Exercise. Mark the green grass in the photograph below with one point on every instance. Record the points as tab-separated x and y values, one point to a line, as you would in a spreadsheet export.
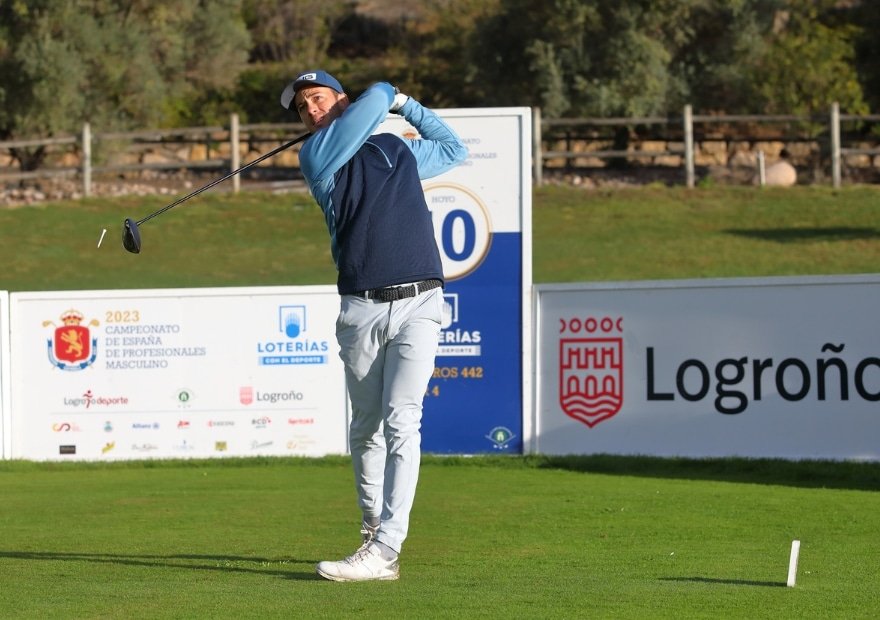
535	537
255	239
669	233
216	240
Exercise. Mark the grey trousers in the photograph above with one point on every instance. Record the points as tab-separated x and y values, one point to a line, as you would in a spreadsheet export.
388	349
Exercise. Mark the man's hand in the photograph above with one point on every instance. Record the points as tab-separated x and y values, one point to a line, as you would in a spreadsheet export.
399	100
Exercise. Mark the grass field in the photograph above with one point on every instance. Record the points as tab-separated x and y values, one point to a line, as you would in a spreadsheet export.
589	537
521	537
255	239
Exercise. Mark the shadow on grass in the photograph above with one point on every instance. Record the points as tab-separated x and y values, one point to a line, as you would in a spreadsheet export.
221	563
728	582
796	235
810	474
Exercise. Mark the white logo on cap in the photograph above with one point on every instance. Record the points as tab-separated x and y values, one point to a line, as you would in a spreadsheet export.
307	76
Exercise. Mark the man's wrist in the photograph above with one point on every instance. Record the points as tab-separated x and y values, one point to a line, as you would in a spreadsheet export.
398	102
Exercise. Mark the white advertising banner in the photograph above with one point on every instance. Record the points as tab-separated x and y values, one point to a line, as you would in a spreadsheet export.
5	405
771	367
176	373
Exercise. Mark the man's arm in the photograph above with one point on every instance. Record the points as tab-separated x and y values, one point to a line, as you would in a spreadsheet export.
440	148
329	148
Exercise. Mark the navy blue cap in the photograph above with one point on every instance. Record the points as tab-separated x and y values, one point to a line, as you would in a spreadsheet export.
309	78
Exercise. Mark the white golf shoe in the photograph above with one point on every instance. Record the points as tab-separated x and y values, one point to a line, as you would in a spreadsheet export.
365	564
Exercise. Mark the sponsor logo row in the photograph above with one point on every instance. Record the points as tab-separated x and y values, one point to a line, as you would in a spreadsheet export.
500	437
247	395
188	447
109	426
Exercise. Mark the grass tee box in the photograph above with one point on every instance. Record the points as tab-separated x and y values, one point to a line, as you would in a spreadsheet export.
540	537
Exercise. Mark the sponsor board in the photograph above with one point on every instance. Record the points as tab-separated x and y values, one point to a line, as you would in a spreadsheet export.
480	392
170	373
769	367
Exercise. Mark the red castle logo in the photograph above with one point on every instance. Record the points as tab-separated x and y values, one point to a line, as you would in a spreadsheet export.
72	348
591	368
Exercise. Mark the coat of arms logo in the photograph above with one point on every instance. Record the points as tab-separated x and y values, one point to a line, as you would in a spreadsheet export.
591	368
72	347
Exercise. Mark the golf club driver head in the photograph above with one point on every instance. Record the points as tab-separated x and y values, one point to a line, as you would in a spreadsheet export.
131	236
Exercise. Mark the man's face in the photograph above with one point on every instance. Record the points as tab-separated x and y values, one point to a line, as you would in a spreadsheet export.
318	106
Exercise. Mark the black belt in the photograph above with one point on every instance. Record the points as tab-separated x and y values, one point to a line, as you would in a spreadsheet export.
393	293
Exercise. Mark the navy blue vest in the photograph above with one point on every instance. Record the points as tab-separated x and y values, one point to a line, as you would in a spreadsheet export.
384	231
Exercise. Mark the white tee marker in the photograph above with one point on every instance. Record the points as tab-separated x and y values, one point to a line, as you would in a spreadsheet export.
793	562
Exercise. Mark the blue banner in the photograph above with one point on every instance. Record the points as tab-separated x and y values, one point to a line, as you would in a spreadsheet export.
474	401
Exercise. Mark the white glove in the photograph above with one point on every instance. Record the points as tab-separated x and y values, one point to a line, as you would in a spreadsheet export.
399	100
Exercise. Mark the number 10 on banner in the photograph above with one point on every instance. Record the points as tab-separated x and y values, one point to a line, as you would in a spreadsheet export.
461	226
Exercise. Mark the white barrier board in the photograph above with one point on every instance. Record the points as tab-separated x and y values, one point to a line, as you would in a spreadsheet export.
176	373
5	405
773	367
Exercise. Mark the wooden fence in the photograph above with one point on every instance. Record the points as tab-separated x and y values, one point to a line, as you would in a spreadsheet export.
678	135
681	144
213	139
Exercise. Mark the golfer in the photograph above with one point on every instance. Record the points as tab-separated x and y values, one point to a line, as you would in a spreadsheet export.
391	287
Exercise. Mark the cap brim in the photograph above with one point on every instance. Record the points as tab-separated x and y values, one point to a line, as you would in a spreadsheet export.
287	96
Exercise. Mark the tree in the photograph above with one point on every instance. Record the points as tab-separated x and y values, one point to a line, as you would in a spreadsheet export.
810	62
649	57
866	15
434	60
285	31
728	41
116	63
586	57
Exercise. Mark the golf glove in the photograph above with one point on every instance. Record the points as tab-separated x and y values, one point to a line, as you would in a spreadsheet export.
399	100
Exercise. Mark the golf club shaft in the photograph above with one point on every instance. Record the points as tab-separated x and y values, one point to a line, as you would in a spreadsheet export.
228	176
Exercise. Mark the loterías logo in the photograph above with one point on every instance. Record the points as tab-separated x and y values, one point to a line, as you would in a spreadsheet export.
72	348
591	368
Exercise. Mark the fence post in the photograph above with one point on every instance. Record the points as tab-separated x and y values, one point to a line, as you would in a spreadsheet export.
87	159
835	145
689	145
234	153
537	152
762	169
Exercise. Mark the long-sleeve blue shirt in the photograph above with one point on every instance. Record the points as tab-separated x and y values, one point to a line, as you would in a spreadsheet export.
369	188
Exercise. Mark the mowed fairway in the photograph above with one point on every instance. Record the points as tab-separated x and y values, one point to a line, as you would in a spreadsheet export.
491	538
519	537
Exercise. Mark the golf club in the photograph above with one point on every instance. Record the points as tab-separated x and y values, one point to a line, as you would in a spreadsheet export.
131	235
